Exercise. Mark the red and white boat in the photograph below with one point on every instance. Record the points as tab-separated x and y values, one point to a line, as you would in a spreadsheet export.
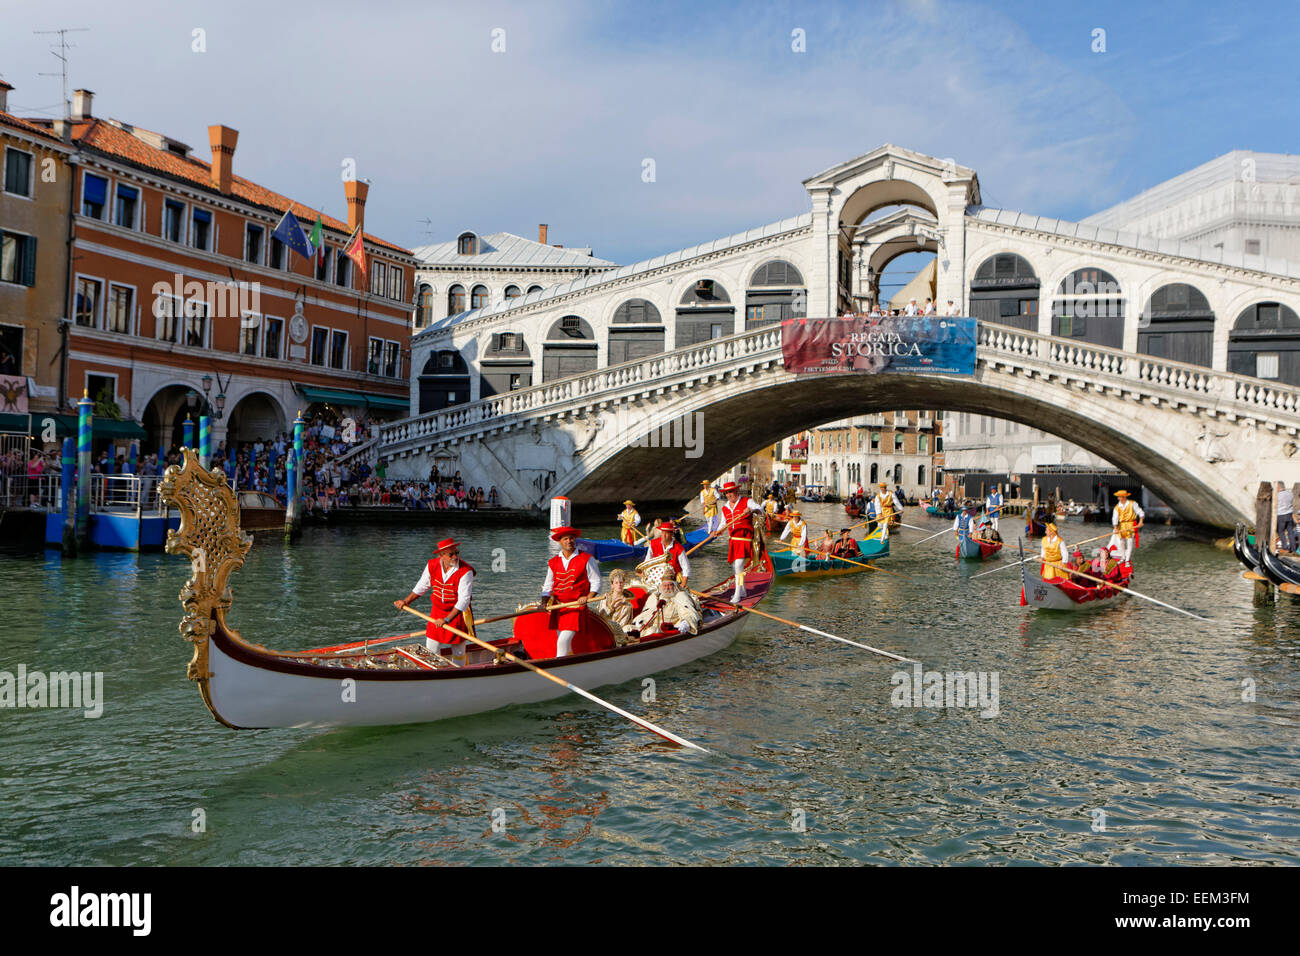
1061	594
395	680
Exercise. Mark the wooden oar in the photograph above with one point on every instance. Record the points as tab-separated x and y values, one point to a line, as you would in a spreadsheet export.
935	535
812	630
1035	557
639	721
646	537
529	609
725	526
1119	587
869	567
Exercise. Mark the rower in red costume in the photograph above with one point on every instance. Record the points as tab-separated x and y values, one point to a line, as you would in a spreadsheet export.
666	541
738	514
449	582
570	576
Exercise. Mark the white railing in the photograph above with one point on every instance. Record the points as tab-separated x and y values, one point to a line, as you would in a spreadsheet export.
36	492
996	343
125	494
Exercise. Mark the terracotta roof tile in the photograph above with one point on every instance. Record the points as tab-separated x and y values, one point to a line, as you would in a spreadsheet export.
121	144
8	119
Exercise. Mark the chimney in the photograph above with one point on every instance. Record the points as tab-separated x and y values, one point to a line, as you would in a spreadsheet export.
4	96
81	100
356	190
223	140
541	233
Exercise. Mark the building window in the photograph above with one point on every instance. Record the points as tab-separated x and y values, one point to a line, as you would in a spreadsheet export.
277	253
466	244
395	283
323	257
534	288
516	382
875	443
18	172
101	386
167	309
121	303
174	221
478	299
754	313
455	299
923	444
374	353
898	442
124	208
512	292
249	333
271	340
17	258
338	349
424	307
253	243
446	360
94	196
319	342
11	350
1252	249
378	278
715	330
1028	306
88	295
511	342
392	359
342	272
201	229
196	323
1267	364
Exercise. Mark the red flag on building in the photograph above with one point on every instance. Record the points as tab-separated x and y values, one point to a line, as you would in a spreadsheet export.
355	250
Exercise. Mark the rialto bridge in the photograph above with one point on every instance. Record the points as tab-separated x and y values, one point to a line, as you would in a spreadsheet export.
1145	351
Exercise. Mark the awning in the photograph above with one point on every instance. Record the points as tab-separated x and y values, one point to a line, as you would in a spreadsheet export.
338	396
65	426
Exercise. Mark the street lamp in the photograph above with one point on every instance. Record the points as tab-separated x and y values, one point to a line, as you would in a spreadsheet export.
207	383
221	404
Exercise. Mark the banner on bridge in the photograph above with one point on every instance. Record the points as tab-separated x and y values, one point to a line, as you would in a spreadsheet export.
899	343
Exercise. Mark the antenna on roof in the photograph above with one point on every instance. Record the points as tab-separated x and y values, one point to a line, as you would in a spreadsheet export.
428	226
62	54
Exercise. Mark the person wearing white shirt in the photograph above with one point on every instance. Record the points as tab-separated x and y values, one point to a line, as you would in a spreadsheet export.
953	309
571	576
452	583
929	307
1127	520
911	308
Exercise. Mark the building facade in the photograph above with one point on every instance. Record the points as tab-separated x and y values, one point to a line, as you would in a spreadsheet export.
35	196
177	285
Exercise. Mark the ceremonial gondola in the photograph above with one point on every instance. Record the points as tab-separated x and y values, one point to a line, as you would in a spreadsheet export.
852	509
973	547
1243	546
393	680
1061	594
937	513
611	549
1279	570
790	564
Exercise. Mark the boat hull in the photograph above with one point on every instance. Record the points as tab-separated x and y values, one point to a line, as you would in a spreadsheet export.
978	550
790	565
611	549
1278	570
1050	596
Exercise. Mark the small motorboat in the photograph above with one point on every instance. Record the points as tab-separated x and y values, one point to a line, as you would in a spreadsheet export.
1061	594
259	511
395	680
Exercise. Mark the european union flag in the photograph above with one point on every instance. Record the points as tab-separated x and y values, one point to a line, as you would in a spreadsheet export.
291	233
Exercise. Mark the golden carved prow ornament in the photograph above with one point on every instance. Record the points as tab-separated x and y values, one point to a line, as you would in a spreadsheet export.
210	536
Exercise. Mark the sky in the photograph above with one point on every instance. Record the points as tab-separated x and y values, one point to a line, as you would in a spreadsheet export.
499	116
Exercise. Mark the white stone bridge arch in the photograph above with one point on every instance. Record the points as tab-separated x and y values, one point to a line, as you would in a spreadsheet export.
1199	438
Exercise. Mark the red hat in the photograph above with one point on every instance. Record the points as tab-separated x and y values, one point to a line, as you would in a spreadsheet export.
558	533
668	526
446	544
729	486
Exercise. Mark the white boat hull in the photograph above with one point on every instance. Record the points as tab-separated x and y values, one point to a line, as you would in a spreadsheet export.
246	695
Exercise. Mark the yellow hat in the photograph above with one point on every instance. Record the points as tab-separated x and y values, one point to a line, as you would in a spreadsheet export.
1051	527
629	502
1121	493
798	513
884	485
706	482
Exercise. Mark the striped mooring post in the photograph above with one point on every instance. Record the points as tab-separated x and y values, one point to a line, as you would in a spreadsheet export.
69	497
85	424
187	433
205	441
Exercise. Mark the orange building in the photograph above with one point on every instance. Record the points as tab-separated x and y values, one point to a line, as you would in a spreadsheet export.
182	300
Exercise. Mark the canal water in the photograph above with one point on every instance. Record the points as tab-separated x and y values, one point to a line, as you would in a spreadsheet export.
1125	735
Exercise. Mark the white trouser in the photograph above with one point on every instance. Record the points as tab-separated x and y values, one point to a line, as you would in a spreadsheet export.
435	647
884	534
738	567
712	524
1125	546
993	520
564	643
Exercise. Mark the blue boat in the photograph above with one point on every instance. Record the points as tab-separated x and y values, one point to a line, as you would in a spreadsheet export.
611	549
789	564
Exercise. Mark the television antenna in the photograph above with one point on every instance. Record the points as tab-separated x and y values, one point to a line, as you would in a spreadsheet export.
62	54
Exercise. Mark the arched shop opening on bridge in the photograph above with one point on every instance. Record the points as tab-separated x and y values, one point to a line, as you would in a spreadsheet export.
704	312
570	349
776	292
1089	305
506	365
636	332
1265	342
1005	290
444	381
1178	324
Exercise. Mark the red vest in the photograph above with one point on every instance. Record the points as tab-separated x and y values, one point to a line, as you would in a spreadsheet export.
444	591
571	583
674	553
739	518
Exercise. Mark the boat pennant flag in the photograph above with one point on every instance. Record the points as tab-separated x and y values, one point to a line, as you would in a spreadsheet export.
317	238
355	249
291	233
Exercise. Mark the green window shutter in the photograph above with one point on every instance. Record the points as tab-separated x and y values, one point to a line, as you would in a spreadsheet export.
29	261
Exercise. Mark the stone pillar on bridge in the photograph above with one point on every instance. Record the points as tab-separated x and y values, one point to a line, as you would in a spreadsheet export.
951	259
823	283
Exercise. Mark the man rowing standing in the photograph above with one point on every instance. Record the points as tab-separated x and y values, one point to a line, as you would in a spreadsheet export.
993	507
1127	519
451	583
709	506
797	529
738	513
884	506
667	543
964	524
570	576
1053	551
629	519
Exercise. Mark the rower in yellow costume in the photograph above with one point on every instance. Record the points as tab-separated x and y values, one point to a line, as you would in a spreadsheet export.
709	506
1126	519
884	508
798	533
629	518
1052	554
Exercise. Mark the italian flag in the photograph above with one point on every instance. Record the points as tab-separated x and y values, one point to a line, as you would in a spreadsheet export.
317	239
